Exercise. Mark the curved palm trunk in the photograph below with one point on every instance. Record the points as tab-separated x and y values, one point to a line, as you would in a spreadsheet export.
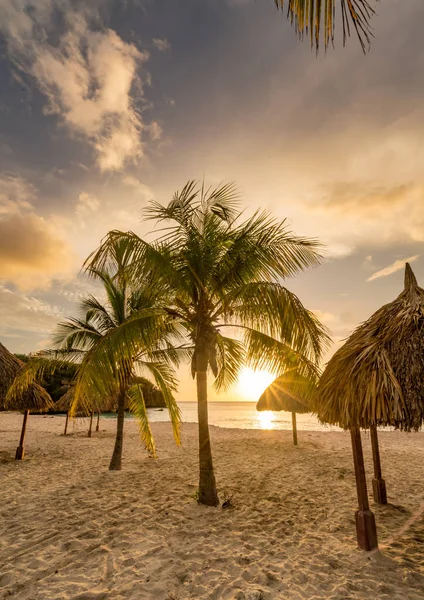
116	462
207	485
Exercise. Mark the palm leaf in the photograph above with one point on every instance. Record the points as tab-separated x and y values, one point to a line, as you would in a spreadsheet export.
137	407
310	16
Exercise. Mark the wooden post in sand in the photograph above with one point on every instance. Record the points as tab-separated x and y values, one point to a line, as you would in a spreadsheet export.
294	427
20	453
66	423
98	422
366	530
378	483
90	429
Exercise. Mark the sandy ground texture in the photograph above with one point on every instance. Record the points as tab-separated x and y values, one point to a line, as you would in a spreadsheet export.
70	529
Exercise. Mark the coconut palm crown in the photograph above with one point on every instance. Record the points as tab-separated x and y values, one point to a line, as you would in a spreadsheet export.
224	274
114	342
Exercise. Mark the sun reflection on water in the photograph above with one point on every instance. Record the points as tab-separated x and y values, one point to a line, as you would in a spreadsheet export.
266	419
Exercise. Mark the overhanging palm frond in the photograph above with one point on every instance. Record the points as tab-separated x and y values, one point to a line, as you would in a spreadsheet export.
137	407
273	309
267	353
230	358
166	382
311	16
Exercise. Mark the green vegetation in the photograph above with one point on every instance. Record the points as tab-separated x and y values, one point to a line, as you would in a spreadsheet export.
112	345
220	279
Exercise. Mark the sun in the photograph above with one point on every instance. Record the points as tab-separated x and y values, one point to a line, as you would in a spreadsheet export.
252	383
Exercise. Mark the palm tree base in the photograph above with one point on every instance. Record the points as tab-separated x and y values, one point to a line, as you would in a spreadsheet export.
208	494
115	465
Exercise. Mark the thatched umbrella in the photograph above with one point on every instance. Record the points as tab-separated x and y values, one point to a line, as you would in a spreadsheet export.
64	404
288	393
34	398
377	378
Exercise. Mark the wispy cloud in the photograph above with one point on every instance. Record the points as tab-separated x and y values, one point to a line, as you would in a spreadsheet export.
161	44
87	76
396	266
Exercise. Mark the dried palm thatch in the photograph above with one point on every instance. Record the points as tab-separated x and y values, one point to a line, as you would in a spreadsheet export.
65	402
34	398
289	393
377	377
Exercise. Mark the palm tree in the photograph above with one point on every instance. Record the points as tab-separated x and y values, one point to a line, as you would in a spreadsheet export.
222	274
309	16
115	342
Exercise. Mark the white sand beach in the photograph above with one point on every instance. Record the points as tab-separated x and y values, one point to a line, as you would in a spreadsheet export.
70	529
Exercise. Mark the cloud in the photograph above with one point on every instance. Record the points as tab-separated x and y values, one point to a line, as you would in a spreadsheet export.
27	313
15	195
161	44
396	266
87	204
87	76
369	198
31	249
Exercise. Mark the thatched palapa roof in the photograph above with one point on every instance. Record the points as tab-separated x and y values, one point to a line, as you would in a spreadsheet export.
35	398
377	377
288	392
65	401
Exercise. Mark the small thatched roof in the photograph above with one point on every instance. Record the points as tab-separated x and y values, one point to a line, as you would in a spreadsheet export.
35	398
377	377
288	392
64	404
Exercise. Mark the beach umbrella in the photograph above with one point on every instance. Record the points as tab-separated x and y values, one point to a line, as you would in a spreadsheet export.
290	393
34	398
377	379
64	404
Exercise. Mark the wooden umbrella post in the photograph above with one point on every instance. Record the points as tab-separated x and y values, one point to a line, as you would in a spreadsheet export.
90	429
98	422
366	530
378	483
20	452
294	427
66	423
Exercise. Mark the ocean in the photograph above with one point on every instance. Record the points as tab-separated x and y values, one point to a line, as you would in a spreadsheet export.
242	415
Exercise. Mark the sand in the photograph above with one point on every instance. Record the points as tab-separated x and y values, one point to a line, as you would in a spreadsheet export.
71	529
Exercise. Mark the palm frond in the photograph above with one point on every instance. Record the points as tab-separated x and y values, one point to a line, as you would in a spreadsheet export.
310	16
273	309
167	384
264	352
230	357
137	407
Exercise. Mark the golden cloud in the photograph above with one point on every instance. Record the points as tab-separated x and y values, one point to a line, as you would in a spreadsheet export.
31	251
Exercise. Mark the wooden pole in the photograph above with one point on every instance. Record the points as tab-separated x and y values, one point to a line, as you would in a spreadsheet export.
66	423
90	429
366	530
98	422
378	483
294	427
20	452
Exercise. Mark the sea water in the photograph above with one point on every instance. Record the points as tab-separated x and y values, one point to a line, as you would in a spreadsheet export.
242	415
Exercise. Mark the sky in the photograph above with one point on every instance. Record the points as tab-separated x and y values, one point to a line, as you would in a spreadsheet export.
106	104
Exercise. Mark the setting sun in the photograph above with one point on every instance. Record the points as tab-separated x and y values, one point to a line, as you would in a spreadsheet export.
253	383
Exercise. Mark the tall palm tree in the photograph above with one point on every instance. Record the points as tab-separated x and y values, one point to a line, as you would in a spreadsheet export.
310	16
223	274
115	342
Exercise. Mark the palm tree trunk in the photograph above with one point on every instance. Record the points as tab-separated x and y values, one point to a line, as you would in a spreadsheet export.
207	485
115	463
